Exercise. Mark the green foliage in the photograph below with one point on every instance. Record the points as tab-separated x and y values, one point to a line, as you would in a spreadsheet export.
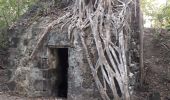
148	7
10	10
160	15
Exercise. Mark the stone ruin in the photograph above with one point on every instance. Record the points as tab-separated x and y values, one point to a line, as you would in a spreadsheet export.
59	68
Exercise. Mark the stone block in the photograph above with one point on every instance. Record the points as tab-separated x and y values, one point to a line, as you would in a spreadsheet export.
49	73
41	85
36	30
11	86
25	42
42	64
4	76
4	88
14	41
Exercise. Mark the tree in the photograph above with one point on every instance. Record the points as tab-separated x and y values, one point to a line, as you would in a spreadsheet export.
105	19
160	17
164	16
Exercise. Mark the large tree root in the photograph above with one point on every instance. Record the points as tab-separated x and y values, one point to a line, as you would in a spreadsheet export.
106	19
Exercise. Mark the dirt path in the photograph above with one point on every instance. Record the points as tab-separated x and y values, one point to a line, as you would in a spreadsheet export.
157	63
157	66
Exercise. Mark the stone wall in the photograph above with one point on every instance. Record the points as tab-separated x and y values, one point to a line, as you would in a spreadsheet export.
35	77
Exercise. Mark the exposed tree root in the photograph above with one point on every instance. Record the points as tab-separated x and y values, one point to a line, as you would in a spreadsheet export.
45	31
106	19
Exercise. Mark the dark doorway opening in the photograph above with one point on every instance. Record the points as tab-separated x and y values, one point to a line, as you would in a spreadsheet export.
60	87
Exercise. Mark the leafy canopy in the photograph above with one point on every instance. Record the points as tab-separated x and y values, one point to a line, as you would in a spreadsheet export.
159	13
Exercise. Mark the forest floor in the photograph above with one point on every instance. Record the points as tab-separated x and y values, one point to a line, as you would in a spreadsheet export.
156	66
